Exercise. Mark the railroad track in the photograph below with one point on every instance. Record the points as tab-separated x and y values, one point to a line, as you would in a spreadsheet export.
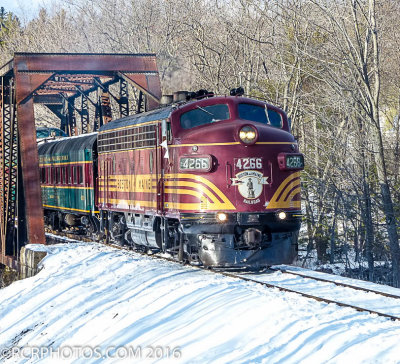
340	284
324	299
257	278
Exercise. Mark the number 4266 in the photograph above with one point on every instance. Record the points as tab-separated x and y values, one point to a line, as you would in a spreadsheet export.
248	163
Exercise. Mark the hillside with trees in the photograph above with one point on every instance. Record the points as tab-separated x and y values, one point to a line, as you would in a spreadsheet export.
332	65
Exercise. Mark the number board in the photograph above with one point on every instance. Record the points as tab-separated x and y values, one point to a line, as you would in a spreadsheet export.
294	161
197	163
248	163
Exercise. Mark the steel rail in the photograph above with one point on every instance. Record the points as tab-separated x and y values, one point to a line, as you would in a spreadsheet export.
317	298
336	283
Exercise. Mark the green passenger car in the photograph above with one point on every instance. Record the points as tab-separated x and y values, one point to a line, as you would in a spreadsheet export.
68	171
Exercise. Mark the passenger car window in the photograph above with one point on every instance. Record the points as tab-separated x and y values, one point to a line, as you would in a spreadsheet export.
75	173
43	175
58	175
260	114
80	175
204	115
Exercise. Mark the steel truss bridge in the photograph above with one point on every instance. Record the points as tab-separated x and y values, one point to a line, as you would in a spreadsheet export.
75	88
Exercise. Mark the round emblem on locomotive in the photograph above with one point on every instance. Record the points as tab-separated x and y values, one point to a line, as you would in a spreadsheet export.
250	184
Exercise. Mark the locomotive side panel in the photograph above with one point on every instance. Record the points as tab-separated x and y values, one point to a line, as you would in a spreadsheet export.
128	169
130	165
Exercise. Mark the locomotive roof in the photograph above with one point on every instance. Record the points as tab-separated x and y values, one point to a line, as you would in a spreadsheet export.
70	145
141	118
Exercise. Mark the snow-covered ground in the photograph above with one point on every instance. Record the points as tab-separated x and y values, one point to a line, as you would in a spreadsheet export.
95	304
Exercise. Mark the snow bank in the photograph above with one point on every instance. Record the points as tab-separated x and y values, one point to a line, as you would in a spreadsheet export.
91	303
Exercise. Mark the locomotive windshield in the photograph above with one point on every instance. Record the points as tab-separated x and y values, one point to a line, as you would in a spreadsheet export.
260	114
204	115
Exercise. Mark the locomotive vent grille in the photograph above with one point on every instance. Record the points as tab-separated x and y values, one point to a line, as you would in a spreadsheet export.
133	138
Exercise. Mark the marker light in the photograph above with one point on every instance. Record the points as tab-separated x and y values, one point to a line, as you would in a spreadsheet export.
282	215
222	217
248	134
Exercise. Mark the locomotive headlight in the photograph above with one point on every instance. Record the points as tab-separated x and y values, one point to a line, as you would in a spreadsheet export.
282	215
222	217
248	134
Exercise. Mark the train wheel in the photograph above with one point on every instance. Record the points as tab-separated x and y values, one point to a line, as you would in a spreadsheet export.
117	228
182	251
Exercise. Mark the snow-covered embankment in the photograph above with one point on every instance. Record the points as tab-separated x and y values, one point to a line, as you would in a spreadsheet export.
97	304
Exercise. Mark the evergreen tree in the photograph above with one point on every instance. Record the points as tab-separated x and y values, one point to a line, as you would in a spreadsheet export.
9	24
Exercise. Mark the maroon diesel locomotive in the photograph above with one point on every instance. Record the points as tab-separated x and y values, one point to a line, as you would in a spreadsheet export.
214	180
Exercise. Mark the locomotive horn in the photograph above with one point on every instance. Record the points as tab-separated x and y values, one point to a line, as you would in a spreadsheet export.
237	91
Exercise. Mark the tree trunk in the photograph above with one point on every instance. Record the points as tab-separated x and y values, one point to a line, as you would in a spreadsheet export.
369	228
333	230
